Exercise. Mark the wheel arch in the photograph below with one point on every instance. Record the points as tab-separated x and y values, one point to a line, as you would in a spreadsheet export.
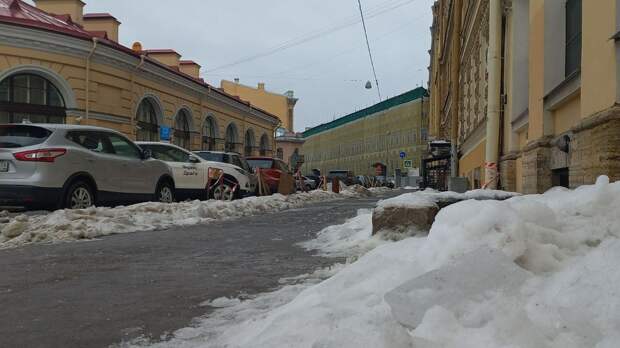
83	176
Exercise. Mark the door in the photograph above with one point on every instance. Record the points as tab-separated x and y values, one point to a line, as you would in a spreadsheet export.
98	160
132	174
187	175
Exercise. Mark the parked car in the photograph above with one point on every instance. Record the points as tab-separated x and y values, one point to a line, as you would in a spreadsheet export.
70	166
271	169
236	167
191	173
345	176
309	184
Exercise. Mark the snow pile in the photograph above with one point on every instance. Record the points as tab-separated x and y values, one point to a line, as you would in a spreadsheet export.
68	225
351	239
567	241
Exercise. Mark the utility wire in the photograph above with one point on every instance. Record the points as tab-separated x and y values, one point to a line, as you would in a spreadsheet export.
385	7
372	63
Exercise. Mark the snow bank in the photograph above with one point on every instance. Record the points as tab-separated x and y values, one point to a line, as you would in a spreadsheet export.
567	241
429	197
69	225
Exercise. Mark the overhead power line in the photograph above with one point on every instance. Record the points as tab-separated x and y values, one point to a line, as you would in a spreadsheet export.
372	62
374	12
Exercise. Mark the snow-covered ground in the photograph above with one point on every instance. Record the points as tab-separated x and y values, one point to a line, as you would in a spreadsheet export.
71	225
566	242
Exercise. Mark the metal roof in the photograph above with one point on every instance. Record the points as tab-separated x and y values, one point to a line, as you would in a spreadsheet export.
379	107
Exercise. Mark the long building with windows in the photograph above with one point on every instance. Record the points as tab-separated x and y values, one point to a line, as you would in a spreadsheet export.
61	65
528	88
377	134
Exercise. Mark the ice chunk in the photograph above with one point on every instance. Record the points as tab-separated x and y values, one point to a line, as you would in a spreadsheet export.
469	279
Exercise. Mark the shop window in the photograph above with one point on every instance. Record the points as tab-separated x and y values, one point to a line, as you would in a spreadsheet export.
232	139
249	143
264	145
560	177
32	98
573	36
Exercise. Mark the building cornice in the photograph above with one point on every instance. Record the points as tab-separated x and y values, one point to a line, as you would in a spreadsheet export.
55	43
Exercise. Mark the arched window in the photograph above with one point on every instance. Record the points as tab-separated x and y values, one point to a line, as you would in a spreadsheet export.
265	149
29	97
148	129
209	134
232	139
249	143
182	136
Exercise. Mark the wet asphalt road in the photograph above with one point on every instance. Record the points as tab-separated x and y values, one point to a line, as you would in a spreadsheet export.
97	293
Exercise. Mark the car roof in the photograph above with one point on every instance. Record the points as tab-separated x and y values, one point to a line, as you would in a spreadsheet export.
260	158
52	126
217	152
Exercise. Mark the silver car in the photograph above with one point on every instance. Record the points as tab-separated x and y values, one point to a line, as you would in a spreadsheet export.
69	166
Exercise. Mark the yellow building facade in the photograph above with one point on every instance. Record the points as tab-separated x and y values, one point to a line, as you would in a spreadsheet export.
281	105
60	65
557	90
377	134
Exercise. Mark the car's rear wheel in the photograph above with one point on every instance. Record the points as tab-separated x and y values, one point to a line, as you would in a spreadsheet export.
223	192
79	196
165	192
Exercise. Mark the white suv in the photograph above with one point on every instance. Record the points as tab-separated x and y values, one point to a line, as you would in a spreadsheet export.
237	166
191	173
70	166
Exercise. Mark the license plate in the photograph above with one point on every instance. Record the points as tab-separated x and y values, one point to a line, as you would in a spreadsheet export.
4	166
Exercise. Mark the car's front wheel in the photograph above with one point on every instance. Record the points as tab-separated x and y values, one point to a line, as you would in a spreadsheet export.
223	192
79	196
165	192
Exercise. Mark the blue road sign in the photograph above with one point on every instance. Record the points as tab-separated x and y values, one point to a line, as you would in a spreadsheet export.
403	154
164	133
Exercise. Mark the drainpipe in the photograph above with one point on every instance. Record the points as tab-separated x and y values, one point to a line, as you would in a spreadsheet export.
454	78
491	174
88	58
133	98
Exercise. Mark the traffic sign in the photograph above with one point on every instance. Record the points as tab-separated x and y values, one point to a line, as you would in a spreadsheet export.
408	164
403	154
164	133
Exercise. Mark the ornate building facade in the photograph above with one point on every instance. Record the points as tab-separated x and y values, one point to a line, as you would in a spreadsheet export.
60	65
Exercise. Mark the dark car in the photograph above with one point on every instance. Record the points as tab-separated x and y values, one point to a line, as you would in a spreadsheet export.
345	176
271	170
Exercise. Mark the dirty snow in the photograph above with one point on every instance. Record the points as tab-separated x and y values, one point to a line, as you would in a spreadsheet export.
71	225
567	241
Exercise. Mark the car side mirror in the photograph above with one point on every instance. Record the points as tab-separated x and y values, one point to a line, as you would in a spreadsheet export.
193	159
146	154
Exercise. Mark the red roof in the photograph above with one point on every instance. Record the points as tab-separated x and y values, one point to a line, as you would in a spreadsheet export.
19	13
99	16
188	62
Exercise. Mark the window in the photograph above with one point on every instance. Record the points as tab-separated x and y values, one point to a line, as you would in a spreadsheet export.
148	129
211	156
181	130
249	143
209	134
22	136
28	97
573	36
264	145
123	147
231	139
93	141
280	153
167	153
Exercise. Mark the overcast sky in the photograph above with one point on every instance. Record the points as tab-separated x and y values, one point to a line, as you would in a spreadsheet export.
327	73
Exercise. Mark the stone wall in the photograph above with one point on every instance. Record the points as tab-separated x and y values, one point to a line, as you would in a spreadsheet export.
508	173
595	148
536	167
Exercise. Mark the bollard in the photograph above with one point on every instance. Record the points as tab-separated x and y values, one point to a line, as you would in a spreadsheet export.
336	185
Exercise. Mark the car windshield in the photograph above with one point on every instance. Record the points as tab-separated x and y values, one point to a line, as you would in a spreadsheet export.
211	156
14	136
261	163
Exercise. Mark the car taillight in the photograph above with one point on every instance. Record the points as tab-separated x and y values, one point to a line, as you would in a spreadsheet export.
43	155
